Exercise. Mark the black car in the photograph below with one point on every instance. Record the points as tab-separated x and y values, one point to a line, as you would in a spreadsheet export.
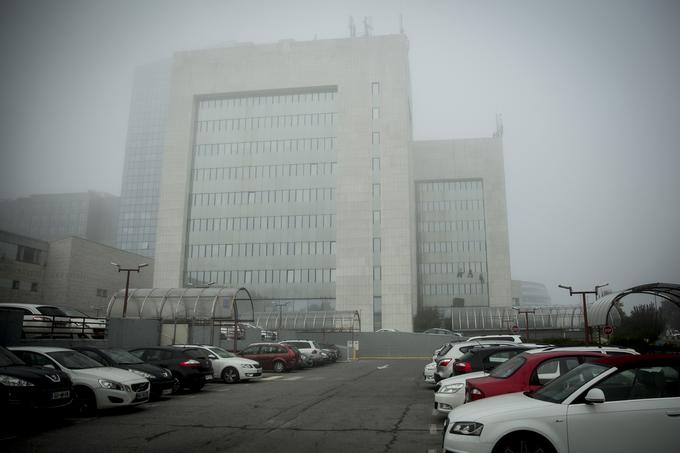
161	379
22	386
485	358
190	366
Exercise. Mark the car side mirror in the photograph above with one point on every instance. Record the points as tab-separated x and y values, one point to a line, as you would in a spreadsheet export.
212	357
595	396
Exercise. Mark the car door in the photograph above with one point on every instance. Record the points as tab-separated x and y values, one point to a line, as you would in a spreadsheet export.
550	369
253	353
641	412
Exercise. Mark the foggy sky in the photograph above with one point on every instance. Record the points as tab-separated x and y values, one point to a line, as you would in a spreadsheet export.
588	91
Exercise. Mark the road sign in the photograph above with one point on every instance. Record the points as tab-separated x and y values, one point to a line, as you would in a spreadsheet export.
514	329
608	330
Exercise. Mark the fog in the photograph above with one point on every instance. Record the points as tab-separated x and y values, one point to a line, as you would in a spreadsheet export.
589	93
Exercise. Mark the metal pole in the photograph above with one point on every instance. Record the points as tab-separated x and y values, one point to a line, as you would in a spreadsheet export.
233	302
585	319
127	285
526	317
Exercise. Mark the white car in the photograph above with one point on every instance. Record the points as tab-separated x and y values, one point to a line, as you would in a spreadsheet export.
454	351
96	386
451	391
629	403
308	347
510	338
227	366
428	372
47	321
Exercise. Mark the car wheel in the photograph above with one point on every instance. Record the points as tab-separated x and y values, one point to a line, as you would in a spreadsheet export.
230	375
524	443
176	384
279	367
84	403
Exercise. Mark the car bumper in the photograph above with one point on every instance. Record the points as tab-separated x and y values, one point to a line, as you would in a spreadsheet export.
454	443
446	402
109	398
159	388
42	399
250	373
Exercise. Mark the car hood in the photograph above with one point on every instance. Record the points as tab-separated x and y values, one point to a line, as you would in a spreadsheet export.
512	405
153	370
462	378
115	374
34	375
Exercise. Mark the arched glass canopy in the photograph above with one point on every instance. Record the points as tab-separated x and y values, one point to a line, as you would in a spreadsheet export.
183	304
607	309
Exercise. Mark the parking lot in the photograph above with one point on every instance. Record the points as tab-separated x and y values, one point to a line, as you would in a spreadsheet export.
368	405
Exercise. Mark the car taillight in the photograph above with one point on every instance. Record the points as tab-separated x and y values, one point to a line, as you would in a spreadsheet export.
41	318
191	363
444	362
476	394
463	367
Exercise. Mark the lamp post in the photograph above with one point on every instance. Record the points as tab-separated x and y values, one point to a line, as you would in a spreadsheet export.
526	312
585	308
127	280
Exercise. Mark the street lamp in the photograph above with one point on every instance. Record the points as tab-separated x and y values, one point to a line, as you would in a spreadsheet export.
585	308
127	280
526	312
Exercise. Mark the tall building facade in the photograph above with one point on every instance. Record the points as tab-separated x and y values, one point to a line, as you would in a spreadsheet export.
89	215
144	159
290	169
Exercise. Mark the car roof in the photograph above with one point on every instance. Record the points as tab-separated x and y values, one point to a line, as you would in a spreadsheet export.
13	305
538	354
43	349
629	361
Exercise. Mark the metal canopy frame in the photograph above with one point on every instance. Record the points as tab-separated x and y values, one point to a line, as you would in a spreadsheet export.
600	312
184	304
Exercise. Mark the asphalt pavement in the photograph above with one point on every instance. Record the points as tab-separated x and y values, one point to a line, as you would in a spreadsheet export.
363	406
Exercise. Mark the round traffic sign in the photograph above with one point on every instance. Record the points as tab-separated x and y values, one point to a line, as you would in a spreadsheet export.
515	328
608	330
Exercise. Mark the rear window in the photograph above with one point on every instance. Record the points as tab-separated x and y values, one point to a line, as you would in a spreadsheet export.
51	311
196	353
445	349
507	369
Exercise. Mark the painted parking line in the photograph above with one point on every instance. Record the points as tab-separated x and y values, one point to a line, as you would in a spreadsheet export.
294	378
226	389
271	378
433	428
432	450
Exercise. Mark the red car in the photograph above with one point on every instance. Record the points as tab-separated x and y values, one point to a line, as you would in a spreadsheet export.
528	371
272	356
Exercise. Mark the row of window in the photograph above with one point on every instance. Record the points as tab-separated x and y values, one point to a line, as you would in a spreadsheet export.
450	186
268	122
263	196
264	276
450	205
454	225
19	285
315	221
298	98
461	269
27	254
304	248
453	289
452	246
266	146
265	171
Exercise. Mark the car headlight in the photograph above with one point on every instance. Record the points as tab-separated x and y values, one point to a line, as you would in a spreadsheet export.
467	428
247	365
143	374
450	388
111	385
11	381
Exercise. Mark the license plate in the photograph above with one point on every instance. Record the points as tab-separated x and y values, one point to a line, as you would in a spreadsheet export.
60	395
166	391
142	395
208	377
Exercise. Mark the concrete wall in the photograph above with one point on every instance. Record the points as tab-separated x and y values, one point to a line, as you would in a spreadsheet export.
131	333
25	273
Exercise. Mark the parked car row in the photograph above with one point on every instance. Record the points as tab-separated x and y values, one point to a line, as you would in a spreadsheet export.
86	378
507	398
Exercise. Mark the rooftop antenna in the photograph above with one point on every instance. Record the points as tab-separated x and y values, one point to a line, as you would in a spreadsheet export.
368	26
499	126
352	27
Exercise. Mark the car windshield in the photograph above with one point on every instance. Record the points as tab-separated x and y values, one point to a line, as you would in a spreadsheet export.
507	369
559	389
8	359
51	311
219	352
122	357
74	360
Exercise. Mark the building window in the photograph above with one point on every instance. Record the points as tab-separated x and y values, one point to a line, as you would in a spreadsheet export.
15	284
34	287
375	88
376	113
102	292
375	138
